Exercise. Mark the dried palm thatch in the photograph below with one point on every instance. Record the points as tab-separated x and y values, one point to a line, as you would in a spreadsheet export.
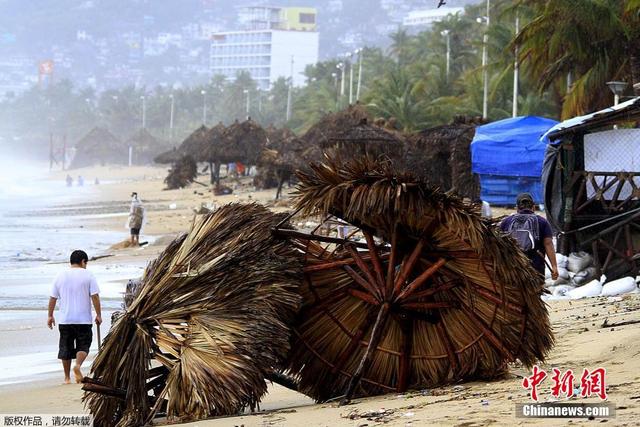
212	140
271	168
194	145
146	147
209	321
242	142
441	156
435	295
99	146
332	123
365	139
182	173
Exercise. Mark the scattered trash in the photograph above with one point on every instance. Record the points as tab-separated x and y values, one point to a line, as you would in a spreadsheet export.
620	286
173	206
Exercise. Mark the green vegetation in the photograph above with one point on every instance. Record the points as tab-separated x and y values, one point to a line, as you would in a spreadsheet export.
567	52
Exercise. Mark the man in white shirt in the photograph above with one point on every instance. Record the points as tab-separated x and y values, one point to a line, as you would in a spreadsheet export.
76	288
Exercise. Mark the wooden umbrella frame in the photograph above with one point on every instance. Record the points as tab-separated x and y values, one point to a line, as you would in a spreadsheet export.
389	292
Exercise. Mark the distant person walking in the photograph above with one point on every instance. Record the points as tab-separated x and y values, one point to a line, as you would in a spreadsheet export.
76	288
80	181
69	180
136	219
533	234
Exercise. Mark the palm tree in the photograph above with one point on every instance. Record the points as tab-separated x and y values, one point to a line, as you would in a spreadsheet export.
593	41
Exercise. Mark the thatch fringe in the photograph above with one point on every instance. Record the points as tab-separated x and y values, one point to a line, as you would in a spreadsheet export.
209	322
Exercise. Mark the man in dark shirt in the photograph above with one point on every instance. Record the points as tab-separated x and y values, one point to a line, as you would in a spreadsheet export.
543	244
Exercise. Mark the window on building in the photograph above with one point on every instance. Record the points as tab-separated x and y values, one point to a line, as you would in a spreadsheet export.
307	18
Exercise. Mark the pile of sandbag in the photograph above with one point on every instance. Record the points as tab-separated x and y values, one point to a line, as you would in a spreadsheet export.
577	279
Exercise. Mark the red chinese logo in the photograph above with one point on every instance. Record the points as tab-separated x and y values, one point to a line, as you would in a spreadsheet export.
592	383
534	381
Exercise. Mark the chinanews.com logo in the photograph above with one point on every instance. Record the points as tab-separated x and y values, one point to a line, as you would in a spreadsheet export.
567	386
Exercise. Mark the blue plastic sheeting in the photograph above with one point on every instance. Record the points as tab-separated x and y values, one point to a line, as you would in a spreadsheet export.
510	147
503	190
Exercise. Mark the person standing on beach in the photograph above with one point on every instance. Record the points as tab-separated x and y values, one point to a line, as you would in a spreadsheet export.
76	288
136	219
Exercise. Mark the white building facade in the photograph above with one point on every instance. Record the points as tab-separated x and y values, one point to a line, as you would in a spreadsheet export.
266	54
274	42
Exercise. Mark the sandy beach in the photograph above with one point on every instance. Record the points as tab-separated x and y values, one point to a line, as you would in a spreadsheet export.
34	386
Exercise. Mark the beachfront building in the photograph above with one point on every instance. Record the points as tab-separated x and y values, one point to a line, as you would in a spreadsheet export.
426	17
275	42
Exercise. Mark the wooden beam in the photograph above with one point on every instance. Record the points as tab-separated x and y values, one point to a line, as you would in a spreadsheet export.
407	267
421	279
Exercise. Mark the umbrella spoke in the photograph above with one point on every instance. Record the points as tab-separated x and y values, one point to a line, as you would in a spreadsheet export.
420	280
375	259
376	335
407	266
391	267
404	365
362	282
377	287
350	349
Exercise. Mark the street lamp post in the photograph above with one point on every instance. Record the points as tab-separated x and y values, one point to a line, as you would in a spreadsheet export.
447	36
144	112
341	67
246	92
618	89
514	112
171	118
349	55
204	106
360	53
289	91
485	74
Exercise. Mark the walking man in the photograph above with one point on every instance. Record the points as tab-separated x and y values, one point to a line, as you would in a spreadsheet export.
136	219
76	288
533	234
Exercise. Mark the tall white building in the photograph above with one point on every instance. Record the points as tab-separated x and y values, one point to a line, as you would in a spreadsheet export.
429	16
279	42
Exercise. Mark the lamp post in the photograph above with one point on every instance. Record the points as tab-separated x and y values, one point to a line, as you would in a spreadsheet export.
341	67
360	53
144	112
204	106
289	91
246	92
447	36
171	118
485	75
350	55
514	112
618	89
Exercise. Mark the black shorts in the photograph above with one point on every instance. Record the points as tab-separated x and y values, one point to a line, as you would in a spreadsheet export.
74	338
135	231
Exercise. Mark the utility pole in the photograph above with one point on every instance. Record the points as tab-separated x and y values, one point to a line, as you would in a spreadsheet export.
350	78
360	54
246	92
171	119
514	113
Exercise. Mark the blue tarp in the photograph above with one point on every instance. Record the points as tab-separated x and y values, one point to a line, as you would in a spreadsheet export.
510	147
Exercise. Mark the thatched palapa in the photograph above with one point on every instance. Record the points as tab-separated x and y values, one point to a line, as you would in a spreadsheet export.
435	295
99	147
441	156
194	145
242	142
209	322
182	173
365	139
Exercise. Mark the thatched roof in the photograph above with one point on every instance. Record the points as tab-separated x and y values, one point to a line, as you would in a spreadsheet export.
182	173
212	139
242	142
145	147
365	139
194	145
441	156
99	146
320	133
211	315
443	297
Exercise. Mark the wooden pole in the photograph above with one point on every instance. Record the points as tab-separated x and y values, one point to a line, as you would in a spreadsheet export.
376	335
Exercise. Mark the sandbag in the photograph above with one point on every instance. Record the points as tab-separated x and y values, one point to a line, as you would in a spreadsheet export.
591	289
578	261
618	287
584	276
562	290
562	260
563	273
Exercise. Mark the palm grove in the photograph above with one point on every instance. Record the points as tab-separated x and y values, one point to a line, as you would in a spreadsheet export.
566	52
